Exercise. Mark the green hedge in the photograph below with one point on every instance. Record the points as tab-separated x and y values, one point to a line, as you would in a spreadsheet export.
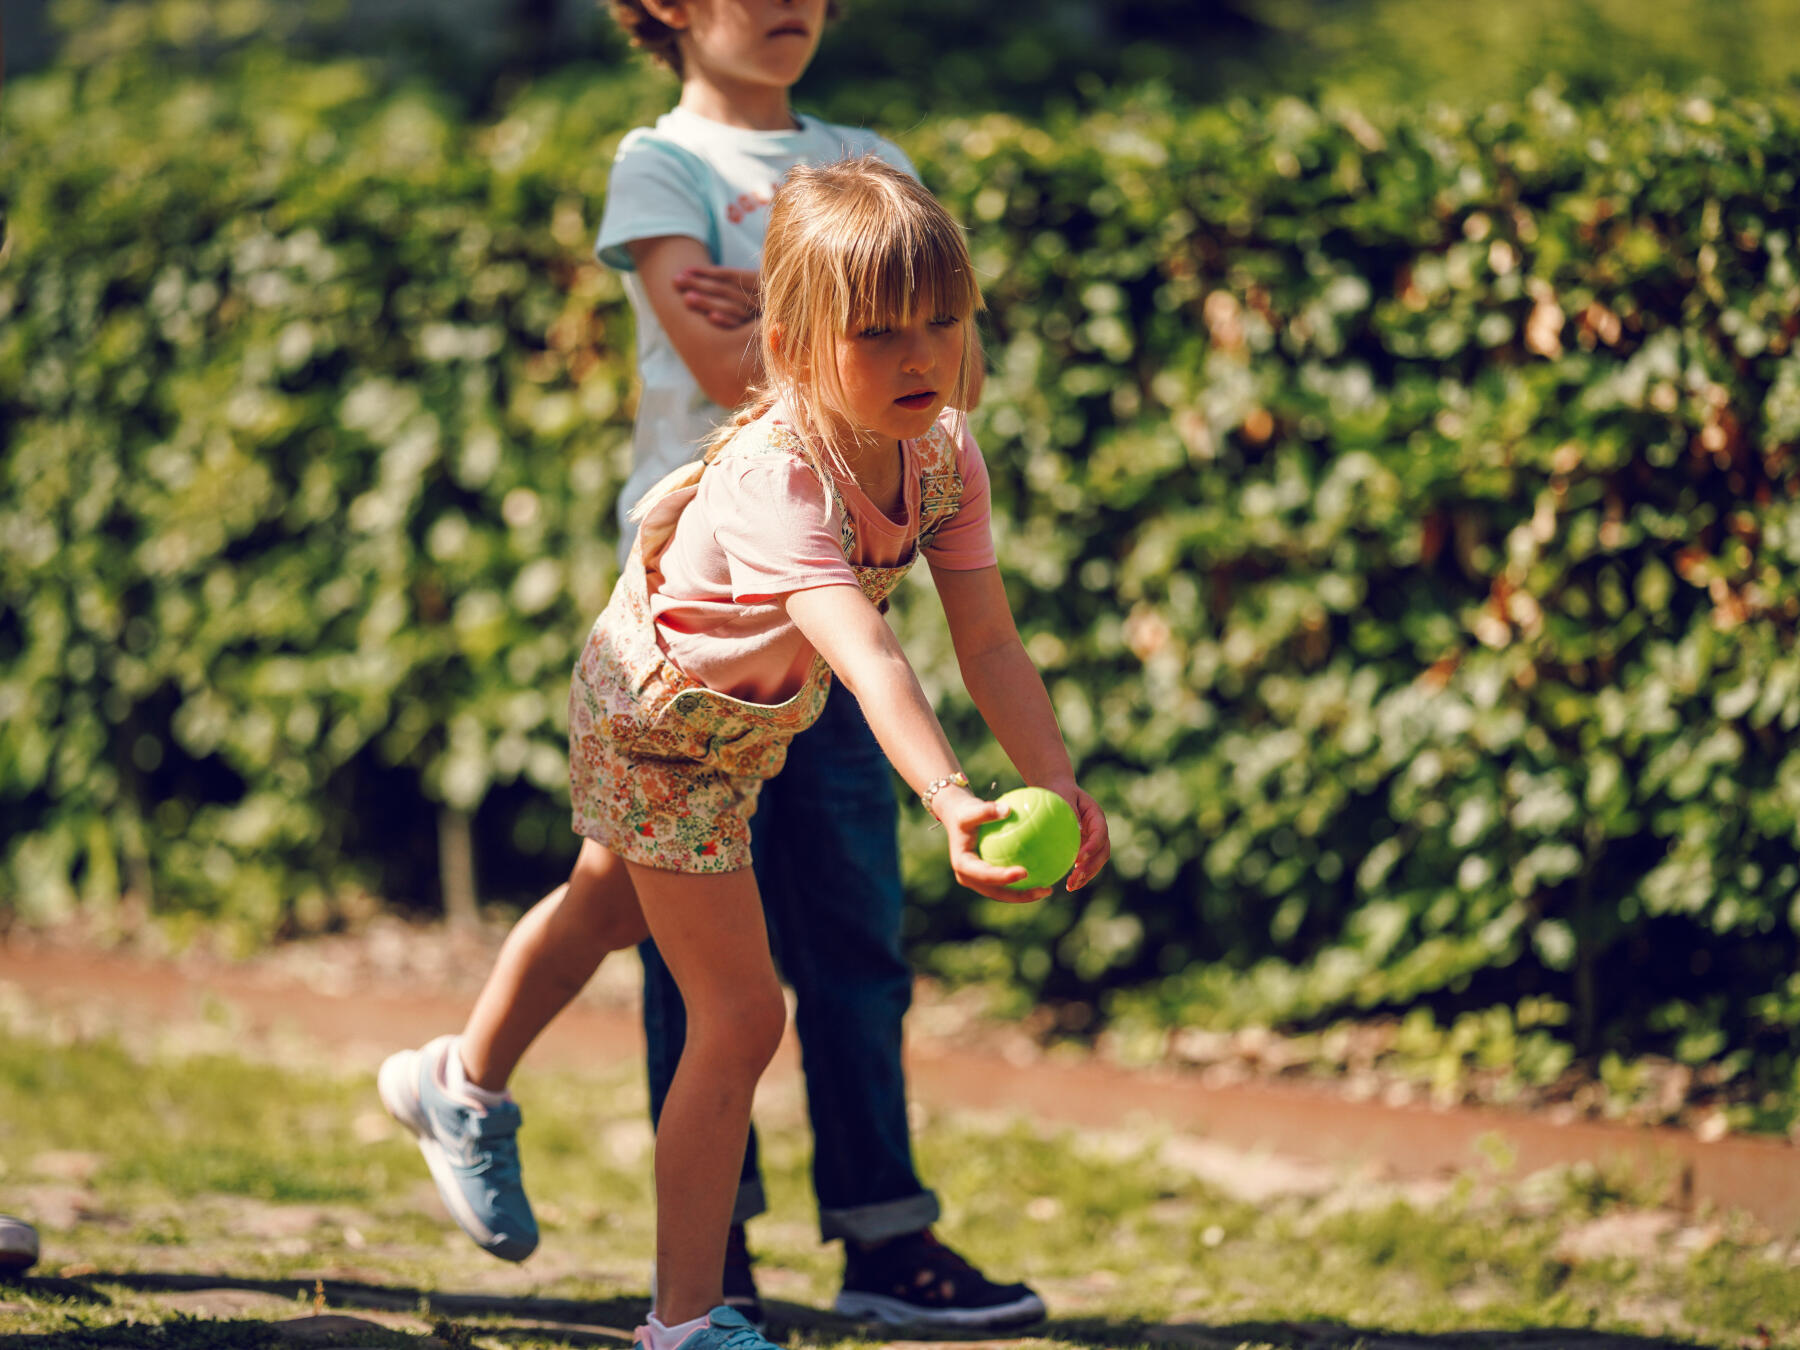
1406	524
1402	509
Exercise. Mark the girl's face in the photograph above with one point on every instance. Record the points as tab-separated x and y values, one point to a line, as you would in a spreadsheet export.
747	42
897	377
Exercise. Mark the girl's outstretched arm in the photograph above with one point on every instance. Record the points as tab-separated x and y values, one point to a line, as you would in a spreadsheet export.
1010	694
863	652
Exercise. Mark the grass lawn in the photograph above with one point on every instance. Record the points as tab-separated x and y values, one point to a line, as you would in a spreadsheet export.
190	1196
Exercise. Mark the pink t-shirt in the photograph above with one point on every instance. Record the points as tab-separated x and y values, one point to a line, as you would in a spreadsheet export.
759	528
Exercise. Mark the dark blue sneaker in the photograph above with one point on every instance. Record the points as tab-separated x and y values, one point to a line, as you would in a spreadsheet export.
916	1281
472	1150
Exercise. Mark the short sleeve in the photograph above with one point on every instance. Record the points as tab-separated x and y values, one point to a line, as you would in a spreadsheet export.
965	542
770	520
652	192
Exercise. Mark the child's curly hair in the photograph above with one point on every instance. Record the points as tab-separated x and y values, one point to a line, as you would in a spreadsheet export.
654	37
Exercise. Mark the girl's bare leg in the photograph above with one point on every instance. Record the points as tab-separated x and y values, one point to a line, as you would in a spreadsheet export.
546	959
710	932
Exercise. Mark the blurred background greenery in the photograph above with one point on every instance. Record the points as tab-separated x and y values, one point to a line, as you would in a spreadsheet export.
1393	418
898	61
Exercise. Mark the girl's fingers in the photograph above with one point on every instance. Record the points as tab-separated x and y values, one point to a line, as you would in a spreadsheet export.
982	812
970	865
1008	896
996	883
999	890
1096	846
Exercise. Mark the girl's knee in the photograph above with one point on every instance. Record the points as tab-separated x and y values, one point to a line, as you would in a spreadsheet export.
746	1025
769	1021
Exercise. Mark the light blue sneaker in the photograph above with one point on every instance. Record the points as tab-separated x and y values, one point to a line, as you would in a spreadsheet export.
472	1150
725	1329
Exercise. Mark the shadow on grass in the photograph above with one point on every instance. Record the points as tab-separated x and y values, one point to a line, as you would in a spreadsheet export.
1342	1336
822	1327
608	1322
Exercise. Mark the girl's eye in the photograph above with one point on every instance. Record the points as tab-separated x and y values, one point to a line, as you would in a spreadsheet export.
946	321
873	331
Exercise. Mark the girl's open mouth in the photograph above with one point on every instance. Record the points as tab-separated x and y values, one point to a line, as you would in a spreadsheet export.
922	399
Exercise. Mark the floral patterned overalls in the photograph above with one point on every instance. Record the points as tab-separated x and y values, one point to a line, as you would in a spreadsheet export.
663	770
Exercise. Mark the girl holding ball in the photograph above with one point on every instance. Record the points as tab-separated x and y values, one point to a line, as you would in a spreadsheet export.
759	574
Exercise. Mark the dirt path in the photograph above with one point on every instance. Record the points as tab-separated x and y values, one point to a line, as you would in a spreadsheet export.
399	986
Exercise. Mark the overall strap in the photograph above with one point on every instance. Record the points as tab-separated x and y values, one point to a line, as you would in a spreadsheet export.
940	481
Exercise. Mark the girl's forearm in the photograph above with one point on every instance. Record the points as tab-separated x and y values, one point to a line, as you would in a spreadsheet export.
1010	695
900	716
863	652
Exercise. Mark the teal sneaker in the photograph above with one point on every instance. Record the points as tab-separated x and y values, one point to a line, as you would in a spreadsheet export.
472	1150
725	1329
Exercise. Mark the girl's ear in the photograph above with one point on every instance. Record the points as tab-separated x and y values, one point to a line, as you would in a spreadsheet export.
669	13
776	336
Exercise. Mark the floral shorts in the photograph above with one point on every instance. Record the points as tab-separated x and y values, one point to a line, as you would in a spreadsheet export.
666	813
663	771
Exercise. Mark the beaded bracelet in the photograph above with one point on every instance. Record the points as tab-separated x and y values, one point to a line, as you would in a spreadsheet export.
936	785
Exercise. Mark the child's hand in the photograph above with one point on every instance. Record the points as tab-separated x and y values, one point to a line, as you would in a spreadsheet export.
1096	843
727	297
962	813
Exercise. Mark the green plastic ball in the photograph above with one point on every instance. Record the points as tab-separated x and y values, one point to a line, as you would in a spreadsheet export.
1041	835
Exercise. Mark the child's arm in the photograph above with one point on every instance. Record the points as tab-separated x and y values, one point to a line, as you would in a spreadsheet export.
726	297
862	651
1010	695
725	362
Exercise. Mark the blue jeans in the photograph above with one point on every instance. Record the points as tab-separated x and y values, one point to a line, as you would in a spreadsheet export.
828	867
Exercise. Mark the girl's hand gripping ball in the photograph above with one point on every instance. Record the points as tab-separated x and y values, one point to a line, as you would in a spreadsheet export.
1040	834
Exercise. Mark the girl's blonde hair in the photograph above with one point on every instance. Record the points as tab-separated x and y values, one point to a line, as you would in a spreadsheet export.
851	245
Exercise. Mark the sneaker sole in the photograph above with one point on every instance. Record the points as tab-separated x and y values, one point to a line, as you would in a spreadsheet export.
397	1082
15	1262
898	1313
18	1246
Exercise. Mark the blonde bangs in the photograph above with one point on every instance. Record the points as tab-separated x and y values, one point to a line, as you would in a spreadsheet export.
852	245
898	266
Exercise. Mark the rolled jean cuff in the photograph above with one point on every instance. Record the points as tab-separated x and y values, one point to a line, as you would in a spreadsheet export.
750	1200
874	1223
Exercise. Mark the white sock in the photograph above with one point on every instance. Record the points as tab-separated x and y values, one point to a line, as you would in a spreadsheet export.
668	1338
456	1079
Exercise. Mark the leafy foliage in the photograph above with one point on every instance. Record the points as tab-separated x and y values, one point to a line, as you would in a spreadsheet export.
1406	528
1401	506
